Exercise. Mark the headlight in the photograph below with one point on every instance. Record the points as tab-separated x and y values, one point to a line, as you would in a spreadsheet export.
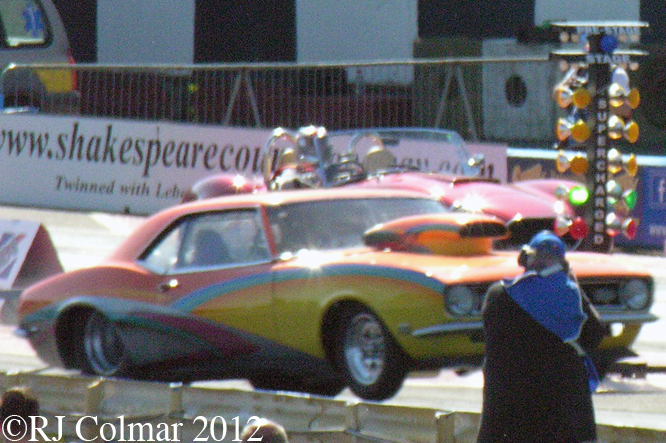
635	294
461	300
603	296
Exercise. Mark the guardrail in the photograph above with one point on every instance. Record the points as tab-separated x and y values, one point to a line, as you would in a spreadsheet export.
98	409
502	96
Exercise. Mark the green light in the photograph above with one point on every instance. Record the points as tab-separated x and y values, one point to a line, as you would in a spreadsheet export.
578	195
630	197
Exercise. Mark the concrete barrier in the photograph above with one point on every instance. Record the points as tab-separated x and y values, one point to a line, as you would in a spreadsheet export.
99	409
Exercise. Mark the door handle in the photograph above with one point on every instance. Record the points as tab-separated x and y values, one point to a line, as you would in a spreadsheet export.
171	284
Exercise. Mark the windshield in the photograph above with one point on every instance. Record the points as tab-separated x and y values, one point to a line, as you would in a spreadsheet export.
432	150
333	224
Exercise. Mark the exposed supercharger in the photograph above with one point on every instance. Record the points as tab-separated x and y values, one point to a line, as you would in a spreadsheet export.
517	99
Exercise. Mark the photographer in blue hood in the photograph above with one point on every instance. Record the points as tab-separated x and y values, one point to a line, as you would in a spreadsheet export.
539	328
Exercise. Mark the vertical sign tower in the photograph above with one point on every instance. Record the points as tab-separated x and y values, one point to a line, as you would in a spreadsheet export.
595	91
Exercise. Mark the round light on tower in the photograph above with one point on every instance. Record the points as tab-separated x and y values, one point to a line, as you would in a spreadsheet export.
616	95
563	129
579	164
580	132
581	98
561	225
613	189
608	44
561	192
563	97
614	161
562	162
634	98
613	224
615	127
578	195
630	228
631	131
578	229
630	197
632	165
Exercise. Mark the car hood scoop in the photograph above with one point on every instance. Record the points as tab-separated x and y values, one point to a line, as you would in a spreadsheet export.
451	234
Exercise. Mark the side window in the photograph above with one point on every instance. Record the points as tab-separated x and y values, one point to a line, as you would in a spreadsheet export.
164	256
23	23
211	240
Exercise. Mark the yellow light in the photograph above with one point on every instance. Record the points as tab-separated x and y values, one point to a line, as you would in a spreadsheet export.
632	165
631	131
562	162
563	129
580	131
563	97
614	161
615	127
616	95
634	98
581	98
579	165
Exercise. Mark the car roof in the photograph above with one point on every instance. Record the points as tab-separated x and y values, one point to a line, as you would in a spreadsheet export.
274	198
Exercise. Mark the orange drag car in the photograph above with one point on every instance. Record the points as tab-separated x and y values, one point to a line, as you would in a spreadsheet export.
309	290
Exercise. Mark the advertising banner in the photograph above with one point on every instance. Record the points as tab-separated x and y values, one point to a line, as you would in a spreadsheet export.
652	230
112	165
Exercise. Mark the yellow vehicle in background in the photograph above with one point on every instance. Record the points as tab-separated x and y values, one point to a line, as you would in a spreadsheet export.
32	32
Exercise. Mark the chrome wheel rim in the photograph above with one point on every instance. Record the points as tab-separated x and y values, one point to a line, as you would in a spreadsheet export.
103	347
365	349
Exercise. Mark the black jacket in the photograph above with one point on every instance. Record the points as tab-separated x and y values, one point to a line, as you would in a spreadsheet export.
535	385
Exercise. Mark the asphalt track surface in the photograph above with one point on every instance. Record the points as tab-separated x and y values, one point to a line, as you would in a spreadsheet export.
84	239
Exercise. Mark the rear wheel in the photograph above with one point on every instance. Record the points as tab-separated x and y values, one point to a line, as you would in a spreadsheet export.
370	361
103	349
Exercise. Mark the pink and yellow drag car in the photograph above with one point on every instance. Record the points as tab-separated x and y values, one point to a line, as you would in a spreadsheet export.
306	290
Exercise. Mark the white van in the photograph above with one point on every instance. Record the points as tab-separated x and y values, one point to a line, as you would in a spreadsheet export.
31	31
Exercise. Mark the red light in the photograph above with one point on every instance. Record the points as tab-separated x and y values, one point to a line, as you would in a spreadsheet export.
630	228
578	229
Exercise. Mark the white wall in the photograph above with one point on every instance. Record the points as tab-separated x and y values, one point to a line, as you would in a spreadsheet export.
586	10
352	30
146	31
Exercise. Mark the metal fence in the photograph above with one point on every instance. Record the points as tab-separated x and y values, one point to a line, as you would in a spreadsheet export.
431	93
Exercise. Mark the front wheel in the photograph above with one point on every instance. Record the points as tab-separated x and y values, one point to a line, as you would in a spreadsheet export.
370	361
103	349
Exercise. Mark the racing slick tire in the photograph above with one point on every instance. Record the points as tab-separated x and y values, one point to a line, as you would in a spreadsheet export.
367	356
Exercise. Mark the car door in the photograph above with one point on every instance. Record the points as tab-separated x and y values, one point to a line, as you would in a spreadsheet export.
217	265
